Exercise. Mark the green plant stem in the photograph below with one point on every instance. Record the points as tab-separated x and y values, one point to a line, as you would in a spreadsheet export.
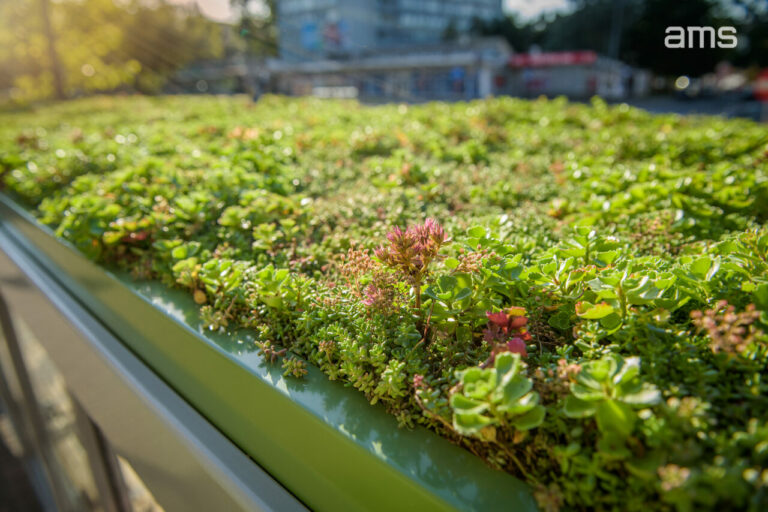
506	449
623	302
517	462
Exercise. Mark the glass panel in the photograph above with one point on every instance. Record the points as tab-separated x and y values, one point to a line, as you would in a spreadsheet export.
16	490
69	457
140	498
22	484
11	398
8	434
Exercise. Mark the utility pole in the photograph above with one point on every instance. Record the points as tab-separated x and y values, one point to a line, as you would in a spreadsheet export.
53	56
617	26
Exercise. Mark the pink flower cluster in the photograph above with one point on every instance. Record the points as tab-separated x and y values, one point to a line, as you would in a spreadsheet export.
728	330
376	296
506	331
411	251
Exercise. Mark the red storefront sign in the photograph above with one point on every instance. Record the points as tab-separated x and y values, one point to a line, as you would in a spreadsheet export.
535	60
761	86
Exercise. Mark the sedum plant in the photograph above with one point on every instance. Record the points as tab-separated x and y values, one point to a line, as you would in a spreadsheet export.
410	252
609	390
588	237
498	396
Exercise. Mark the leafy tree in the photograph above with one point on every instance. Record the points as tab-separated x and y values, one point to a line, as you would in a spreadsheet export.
753	28
163	38
587	27
102	45
258	29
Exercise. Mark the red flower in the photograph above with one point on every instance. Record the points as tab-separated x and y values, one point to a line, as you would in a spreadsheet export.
499	318
516	322
517	346
506	331
507	322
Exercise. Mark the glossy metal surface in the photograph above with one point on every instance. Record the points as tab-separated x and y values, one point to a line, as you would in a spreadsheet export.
186	462
321	440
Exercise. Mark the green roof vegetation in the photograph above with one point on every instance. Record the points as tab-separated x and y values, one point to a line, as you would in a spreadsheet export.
577	294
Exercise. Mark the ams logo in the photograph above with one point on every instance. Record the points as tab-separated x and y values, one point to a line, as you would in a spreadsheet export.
700	37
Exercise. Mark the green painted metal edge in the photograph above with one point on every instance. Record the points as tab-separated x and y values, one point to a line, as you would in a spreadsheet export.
324	442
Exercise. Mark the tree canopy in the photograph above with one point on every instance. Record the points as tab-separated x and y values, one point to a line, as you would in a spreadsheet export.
100	45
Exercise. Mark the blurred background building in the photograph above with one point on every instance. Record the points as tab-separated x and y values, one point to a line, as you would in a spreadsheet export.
385	50
419	50
450	70
312	29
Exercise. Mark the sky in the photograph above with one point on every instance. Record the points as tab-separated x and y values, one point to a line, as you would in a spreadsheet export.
220	10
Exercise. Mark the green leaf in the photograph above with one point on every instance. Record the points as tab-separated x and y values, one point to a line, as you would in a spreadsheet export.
112	237
611	322
666	280
514	389
613	446
431	293
712	271
761	296
463	405
463	294
476	232
451	263
616	418
560	320
446	283
463	280
522	405
648	395
179	253
628	370
506	365
646	467
576	408
747	286
531	419
600	371
478	383
607	257
585	392
593	311
470	424
701	266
